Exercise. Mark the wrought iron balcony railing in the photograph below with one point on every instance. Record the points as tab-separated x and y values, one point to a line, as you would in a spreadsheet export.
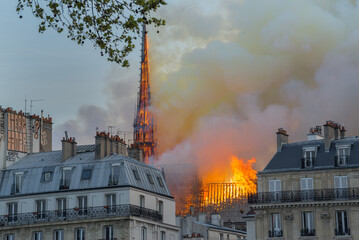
275	233
125	210
307	232
337	194
338	232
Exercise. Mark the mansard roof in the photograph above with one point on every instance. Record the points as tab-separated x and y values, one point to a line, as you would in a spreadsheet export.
291	154
35	165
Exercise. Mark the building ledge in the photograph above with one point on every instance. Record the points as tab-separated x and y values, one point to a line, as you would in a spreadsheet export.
343	237
308	238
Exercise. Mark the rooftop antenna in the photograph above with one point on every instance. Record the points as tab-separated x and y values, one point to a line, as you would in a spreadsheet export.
110	128
35	100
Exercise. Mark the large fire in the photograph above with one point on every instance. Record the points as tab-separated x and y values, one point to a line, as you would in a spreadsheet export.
240	183
226	185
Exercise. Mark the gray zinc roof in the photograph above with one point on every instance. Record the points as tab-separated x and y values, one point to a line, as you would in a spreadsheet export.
35	165
291	154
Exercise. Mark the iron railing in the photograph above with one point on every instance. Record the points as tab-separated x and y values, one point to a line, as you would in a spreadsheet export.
275	233
125	210
307	232
338	232
333	194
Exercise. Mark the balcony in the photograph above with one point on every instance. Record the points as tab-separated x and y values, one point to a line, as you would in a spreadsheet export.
338	232
125	210
275	233
307	232
316	195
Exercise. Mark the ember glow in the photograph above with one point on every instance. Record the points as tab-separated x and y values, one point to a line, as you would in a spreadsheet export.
241	183
227	184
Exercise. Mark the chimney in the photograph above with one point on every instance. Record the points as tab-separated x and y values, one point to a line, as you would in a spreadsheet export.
282	138
100	142
108	145
216	219
342	131
68	148
330	132
135	152
315	133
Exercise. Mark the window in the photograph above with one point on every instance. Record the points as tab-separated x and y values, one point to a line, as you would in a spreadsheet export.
135	173
19	177
111	202
275	188
274	185
221	236
12	212
227	237
160	182
340	181
143	233
79	234
275	225
61	207
37	236
142	201
46	176
160	207
9	237
309	157
108	233
115	175
82	205
66	178
306	185
307	224
342	155
86	174
150	179
341	187
342	226
59	234
163	235
40	208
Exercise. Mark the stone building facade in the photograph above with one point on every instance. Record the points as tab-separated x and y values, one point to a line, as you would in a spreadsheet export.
87	192
22	134
310	189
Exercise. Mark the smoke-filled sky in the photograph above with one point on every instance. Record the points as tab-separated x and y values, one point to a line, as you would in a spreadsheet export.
226	74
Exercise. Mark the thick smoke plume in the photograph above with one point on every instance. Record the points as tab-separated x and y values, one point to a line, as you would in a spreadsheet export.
229	73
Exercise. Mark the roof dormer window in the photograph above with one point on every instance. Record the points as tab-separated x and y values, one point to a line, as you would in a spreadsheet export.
342	155
309	155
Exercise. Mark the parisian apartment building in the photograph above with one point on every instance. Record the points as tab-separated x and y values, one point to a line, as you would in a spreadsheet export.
310	189
87	192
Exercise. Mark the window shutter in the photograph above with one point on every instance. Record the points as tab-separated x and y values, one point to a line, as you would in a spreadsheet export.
277	185
271	185
336	182
303	184
344	181
309	183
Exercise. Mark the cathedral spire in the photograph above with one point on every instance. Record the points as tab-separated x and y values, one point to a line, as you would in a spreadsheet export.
144	123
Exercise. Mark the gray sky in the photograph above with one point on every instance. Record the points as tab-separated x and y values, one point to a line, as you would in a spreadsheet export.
49	66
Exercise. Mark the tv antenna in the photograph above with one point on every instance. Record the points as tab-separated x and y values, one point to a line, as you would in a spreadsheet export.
34	100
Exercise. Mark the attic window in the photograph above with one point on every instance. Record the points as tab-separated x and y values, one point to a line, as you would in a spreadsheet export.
46	176
135	173
86	174
309	155
150	179
342	155
160	182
